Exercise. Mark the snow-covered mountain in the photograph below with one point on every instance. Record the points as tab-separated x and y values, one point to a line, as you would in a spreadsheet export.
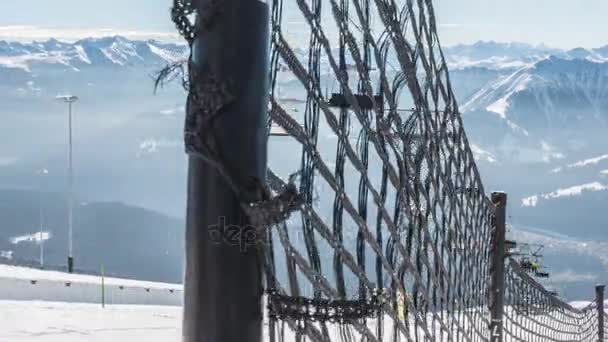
499	56
551	94
90	52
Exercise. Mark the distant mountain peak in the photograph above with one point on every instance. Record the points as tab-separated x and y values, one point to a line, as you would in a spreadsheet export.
88	52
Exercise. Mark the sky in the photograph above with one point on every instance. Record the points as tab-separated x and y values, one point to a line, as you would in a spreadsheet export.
557	23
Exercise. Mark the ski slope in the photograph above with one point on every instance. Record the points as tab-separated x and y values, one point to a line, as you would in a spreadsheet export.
37	321
22	283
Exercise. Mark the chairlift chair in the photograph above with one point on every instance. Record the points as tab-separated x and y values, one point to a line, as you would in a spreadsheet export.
365	102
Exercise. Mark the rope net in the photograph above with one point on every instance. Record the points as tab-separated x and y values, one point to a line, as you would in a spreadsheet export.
393	207
376	224
531	313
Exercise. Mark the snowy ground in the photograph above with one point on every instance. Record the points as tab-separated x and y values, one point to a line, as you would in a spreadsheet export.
28	321
27	273
38	321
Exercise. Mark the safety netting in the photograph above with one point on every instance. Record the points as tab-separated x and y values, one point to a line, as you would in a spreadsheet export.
376	223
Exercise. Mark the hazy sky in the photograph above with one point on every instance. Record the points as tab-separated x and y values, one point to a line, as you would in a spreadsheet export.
558	23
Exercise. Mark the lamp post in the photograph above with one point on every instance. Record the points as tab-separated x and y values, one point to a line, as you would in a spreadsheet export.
42	173
70	99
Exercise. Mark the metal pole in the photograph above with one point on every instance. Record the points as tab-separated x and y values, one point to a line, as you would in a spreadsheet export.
103	288
41	218
599	300
70	193
497	285
223	281
41	236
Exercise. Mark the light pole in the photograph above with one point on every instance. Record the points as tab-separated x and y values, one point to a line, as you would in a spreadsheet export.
69	99
42	172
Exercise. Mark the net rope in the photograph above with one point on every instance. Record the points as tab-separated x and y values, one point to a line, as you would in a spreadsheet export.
406	195
375	220
531	313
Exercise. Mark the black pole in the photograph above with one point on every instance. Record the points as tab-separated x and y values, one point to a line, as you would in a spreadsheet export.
599	300
223	280
497	285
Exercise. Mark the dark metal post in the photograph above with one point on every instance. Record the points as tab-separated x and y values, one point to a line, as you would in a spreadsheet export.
497	285
223	281
599	300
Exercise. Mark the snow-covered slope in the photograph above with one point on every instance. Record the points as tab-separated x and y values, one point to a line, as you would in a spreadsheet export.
504	56
575	190
26	273
551	93
495	55
21	283
585	163
32	321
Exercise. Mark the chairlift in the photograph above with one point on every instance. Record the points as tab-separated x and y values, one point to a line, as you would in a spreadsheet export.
365	102
528	265
542	274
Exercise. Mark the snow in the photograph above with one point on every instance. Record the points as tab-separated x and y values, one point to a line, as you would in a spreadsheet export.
115	50
25	61
34	237
82	54
499	107
14	63
530	201
498	93
604	172
166	55
24	273
109	53
32	321
456	62
6	255
549	152
154	145
481	154
583	163
576	190
517	128
27	284
581	304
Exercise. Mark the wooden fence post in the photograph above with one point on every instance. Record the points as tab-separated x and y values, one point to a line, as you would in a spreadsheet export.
497	285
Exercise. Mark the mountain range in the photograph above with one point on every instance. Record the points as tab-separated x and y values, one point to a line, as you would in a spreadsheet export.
536	117
127	241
